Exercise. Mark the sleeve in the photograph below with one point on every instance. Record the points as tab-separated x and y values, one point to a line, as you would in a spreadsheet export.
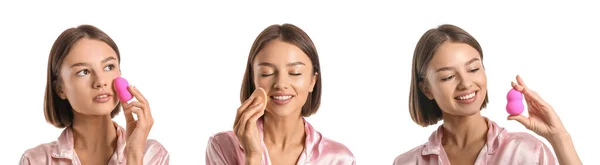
163	159
546	155
214	154
409	157
156	154
24	160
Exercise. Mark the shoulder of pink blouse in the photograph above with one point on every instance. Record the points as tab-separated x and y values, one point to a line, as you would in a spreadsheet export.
522	137
339	150
155	153
41	154
525	141
223	148
410	157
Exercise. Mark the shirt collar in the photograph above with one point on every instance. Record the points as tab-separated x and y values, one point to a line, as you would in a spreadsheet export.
312	145
65	148
495	138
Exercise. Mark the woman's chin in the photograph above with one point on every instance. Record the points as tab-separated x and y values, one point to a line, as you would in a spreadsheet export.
96	112
463	112
280	112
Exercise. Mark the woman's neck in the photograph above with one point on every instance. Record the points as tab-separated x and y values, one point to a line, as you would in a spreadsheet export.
461	131
94	133
283	132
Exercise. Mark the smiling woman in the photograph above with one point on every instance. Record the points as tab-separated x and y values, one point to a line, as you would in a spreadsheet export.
283	64
449	83
80	97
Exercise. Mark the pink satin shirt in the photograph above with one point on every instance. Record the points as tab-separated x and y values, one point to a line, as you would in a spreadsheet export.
62	152
502	147
224	149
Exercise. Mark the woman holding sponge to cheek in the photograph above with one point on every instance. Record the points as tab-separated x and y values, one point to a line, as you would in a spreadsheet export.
281	86
81	97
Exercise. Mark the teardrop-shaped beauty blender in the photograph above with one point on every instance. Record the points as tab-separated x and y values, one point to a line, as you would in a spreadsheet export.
515	102
121	87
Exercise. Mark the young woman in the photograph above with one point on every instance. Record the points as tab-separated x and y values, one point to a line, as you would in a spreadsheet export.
80	97
449	83
283	62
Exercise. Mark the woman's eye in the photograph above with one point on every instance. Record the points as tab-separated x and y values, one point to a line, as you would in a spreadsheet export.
474	70
109	67
83	72
266	74
447	78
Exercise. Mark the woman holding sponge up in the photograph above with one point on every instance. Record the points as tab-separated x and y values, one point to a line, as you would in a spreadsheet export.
544	121
449	84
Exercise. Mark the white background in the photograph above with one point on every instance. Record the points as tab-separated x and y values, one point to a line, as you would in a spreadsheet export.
188	59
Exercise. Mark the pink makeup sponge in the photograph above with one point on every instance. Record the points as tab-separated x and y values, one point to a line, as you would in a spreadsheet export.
121	87
515	102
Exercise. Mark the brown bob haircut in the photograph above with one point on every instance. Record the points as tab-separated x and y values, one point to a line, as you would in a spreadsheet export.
423	111
293	35
59	112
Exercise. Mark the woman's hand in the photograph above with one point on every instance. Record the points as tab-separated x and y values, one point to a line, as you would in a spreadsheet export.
137	130
542	119
245	127
545	122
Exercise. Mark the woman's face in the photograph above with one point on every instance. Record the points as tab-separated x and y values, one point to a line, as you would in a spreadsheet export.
455	79
286	74
86	77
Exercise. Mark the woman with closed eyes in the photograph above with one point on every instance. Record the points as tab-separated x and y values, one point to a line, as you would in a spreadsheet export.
281	86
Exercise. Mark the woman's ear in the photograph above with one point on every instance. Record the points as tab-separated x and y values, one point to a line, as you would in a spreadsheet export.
425	89
313	81
59	90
